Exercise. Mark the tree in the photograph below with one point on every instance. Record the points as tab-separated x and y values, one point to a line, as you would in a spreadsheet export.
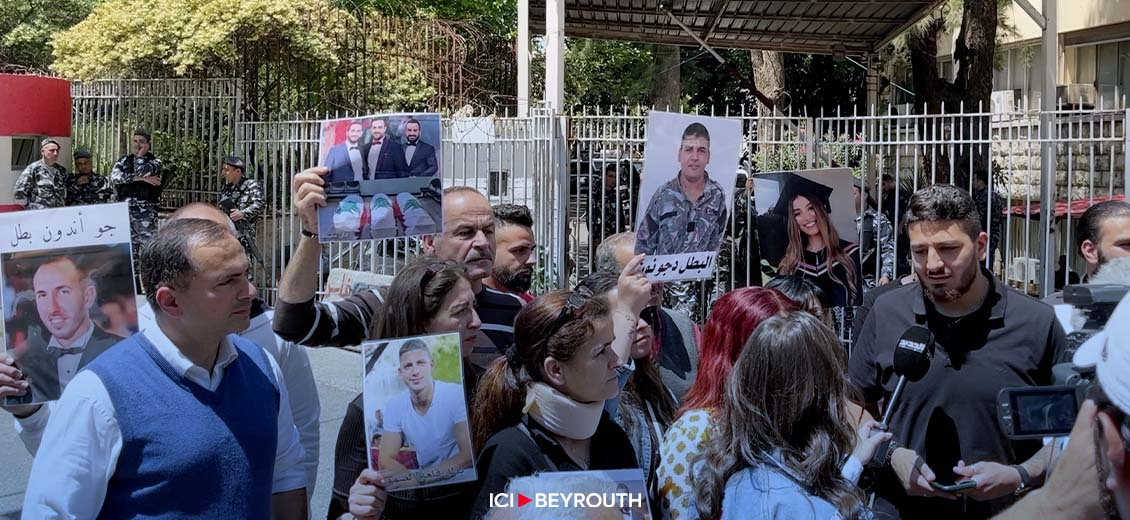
606	73
666	90
971	89
195	37
27	26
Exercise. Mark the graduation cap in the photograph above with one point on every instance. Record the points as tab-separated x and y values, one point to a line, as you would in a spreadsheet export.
793	185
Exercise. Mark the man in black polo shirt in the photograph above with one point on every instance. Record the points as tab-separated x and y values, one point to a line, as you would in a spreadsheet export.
988	337
467	237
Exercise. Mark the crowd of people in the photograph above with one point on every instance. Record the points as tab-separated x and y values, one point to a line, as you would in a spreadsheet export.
761	412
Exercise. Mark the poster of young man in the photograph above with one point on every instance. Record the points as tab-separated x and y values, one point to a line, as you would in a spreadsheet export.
806	228
415	411
56	265
385	177
690	167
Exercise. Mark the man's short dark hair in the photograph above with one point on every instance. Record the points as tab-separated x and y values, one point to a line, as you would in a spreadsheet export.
696	130
412	345
83	271
887	177
942	202
166	260
357	122
1091	223
513	215
982	176
413	121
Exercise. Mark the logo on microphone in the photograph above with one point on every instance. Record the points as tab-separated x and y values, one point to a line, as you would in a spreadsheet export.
912	345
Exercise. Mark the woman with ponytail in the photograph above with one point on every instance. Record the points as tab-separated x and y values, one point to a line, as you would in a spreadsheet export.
541	407
785	445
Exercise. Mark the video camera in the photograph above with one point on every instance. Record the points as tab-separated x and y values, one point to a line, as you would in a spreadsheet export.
1049	411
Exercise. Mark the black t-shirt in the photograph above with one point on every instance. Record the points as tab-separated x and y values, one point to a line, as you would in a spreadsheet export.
512	453
951	414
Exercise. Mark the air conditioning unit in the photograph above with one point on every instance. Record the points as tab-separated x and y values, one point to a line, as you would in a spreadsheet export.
1004	101
1077	95
1025	270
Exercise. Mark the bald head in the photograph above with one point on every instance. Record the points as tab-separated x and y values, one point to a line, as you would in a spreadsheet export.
204	211
615	252
468	233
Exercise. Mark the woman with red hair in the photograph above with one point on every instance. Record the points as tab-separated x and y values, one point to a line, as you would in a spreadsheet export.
731	323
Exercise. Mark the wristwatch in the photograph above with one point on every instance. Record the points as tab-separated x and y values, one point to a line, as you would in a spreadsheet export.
882	456
1025	480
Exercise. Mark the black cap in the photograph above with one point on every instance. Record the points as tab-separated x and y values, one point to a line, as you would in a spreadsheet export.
235	162
143	133
83	154
793	185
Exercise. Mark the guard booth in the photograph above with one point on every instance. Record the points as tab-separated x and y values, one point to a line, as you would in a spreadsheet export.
31	108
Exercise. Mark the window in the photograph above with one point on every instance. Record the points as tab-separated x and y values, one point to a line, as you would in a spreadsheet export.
24	152
499	183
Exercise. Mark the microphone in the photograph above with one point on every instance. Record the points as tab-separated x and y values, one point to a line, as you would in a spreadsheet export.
912	361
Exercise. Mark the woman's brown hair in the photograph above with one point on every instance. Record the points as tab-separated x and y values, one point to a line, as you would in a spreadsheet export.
794	253
785	399
415	296
555	325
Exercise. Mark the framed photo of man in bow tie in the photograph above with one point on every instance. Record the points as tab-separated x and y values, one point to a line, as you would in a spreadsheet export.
60	305
384	178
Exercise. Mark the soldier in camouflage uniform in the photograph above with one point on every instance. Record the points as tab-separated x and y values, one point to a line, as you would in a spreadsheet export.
242	199
85	187
688	213
43	184
137	179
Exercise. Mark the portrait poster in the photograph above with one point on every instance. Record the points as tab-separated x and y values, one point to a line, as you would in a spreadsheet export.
342	283
385	177
689	172
627	489
795	205
67	292
417	445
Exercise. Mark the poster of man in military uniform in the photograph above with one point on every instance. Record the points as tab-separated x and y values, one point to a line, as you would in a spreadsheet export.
43	184
241	198
84	187
685	220
137	179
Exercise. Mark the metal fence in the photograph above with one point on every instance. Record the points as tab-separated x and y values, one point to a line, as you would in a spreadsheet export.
580	173
191	121
1085	156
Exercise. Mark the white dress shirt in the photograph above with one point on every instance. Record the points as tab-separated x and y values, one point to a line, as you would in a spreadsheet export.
355	160
69	479
68	363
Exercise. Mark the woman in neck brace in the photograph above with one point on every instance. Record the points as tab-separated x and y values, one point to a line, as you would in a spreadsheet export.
541	408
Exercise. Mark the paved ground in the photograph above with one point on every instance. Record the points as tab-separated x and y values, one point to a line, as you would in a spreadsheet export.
336	371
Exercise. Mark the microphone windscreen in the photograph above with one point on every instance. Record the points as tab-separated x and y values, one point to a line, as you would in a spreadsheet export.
913	353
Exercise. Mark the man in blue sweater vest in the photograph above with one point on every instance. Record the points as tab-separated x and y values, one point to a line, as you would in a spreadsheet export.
183	419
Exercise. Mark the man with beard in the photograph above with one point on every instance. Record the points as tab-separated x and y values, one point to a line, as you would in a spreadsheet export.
988	337
418	155
384	159
467	237
345	161
515	251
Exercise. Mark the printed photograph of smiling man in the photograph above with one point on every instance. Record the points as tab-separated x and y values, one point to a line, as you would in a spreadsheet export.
416	411
53	320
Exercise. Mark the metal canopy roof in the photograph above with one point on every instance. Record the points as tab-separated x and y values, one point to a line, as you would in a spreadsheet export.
822	27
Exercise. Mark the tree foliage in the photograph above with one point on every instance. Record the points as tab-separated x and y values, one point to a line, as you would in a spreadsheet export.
194	36
607	73
26	28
